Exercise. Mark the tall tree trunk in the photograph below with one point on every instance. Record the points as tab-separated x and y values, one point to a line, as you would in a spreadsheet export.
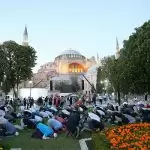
14	92
146	96
17	83
17	89
119	99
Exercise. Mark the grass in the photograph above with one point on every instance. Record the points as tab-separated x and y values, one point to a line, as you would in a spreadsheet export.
100	142
25	142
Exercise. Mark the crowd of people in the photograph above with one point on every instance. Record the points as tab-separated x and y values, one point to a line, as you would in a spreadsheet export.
52	115
31	114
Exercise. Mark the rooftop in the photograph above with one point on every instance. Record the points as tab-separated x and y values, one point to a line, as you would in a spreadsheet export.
70	52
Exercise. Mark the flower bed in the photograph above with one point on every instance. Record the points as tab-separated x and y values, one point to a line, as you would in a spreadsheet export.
130	137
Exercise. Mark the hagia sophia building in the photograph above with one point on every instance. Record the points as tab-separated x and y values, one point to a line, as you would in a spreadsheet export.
67	63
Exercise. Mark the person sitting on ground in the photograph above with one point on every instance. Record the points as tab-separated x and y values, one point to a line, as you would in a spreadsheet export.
55	124
46	131
9	129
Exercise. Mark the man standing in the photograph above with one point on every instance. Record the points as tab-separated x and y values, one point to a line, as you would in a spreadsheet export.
94	98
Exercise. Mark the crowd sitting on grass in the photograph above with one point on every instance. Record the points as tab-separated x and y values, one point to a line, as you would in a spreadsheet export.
53	115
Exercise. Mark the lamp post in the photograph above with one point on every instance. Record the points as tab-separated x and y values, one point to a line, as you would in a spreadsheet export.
30	83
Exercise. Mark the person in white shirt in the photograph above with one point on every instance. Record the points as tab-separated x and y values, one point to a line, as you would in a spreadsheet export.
93	123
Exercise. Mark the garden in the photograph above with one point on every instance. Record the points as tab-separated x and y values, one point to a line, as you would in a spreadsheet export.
126	137
25	142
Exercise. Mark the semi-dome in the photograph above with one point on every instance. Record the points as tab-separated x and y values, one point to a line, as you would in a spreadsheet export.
70	54
93	69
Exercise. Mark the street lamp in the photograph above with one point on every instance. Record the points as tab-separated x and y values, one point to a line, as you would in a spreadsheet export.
2	83
30	83
105	81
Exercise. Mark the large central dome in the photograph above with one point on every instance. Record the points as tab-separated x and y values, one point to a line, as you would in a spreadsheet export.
70	52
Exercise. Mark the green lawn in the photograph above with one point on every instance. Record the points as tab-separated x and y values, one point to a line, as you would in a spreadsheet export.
25	142
62	142
100	142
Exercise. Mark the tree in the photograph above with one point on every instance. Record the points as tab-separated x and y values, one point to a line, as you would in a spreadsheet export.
59	86
111	71
136	57
2	63
110	89
6	86
63	87
130	73
25	60
75	83
99	84
19	63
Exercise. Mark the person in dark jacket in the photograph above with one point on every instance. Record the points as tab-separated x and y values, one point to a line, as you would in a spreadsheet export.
94	99
70	100
72	124
24	102
50	100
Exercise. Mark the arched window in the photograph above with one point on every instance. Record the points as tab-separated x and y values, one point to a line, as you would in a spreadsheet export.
75	67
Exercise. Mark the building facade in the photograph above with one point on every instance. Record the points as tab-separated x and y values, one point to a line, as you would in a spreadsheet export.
67	63
91	73
91	76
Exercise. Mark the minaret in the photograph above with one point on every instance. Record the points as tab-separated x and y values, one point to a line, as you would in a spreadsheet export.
97	57
117	50
25	37
98	60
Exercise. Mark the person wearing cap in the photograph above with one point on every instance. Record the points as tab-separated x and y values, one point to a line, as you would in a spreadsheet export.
46	131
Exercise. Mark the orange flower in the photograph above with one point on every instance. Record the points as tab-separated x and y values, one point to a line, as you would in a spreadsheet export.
130	137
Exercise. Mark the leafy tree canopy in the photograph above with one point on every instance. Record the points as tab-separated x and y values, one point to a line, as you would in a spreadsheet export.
130	73
17	61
